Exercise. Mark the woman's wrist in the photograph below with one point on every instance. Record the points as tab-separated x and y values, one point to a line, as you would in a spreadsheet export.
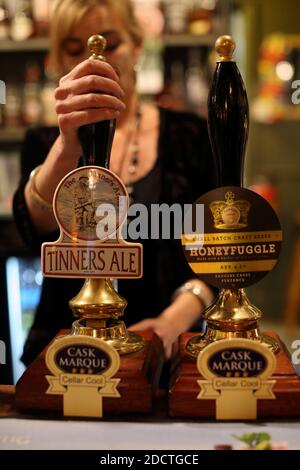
189	302
69	148
36	197
65	153
182	312
198	289
40	188
59	162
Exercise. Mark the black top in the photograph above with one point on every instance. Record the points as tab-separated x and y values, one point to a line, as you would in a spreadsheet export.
184	170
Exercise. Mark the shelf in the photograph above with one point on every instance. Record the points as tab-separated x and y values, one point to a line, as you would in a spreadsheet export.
5	214
12	134
186	40
34	44
169	40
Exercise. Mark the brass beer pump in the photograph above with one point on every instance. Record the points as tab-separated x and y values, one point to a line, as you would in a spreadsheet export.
98	306
232	315
99	368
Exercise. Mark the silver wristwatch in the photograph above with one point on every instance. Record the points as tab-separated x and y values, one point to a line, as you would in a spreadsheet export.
201	293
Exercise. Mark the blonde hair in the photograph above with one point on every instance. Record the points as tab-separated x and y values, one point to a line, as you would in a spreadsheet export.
66	14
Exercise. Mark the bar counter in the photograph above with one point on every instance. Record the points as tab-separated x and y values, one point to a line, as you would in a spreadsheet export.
45	432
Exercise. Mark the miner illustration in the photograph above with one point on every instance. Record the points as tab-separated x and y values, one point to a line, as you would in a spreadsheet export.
84	204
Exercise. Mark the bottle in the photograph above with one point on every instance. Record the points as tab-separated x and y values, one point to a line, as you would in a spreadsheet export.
176	13
12	110
173	95
150	76
22	24
196	83
41	15
1	115
200	17
49	116
2	101
4	20
150	17
32	108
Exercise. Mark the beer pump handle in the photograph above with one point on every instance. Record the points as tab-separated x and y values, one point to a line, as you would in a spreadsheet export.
228	116
96	139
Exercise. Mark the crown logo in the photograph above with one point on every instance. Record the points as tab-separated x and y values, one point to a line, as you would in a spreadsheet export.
230	214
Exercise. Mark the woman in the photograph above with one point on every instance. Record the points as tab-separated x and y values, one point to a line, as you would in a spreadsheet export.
162	157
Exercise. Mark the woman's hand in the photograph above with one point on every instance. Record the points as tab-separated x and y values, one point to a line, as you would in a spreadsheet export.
178	317
164	328
88	94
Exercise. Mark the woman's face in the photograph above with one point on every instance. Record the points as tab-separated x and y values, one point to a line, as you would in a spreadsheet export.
121	52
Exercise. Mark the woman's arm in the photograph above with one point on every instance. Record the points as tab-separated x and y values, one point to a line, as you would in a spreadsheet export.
179	317
58	163
189	172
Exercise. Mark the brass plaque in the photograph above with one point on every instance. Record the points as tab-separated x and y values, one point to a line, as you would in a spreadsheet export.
236	375
82	369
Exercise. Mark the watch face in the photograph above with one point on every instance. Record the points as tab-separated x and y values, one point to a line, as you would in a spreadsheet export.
91	204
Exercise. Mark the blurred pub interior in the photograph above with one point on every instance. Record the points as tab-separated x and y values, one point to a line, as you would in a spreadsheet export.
175	71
